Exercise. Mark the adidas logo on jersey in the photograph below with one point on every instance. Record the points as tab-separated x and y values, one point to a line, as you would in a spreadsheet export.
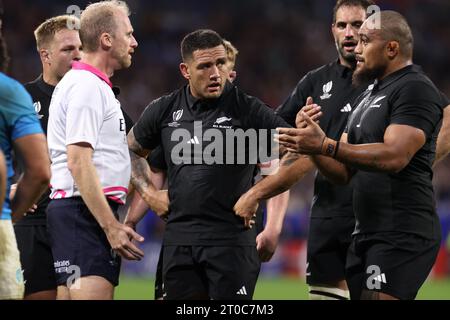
347	108
194	140
242	291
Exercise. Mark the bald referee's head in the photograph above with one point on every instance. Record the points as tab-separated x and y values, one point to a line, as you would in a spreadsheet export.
106	28
385	45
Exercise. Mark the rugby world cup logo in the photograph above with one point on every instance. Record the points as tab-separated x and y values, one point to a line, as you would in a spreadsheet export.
326	90
177	115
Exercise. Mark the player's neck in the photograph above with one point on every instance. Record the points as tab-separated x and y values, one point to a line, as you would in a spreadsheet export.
49	78
99	62
395	66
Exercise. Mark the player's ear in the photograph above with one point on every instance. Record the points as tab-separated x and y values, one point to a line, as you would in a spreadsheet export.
392	49
184	68
233	75
45	55
105	40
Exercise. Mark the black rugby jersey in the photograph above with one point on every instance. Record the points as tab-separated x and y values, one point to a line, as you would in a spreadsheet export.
202	195
403	201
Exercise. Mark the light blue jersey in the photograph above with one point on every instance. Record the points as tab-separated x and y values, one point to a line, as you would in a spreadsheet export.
17	119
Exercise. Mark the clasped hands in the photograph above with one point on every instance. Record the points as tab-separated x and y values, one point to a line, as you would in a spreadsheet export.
308	138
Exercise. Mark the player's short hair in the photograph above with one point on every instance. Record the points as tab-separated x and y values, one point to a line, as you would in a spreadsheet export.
98	18
232	52
46	31
198	40
394	27
351	3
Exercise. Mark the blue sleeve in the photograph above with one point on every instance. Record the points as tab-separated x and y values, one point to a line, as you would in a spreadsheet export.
26	125
17	109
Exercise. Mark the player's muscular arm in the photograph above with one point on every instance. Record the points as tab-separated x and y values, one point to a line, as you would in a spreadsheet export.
333	170
443	140
292	168
79	162
32	149
400	143
140	178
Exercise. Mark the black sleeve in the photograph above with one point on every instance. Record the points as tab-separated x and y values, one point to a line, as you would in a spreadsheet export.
263	117
147	130
289	109
419	105
157	160
445	101
128	122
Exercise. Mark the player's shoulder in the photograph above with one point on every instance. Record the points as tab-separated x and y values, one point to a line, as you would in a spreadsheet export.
246	104
10	86
167	101
32	85
418	83
326	71
242	97
163	106
13	93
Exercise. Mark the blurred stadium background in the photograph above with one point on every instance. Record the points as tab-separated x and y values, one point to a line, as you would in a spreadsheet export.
279	41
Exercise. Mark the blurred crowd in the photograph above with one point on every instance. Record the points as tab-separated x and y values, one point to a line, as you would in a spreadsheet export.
278	42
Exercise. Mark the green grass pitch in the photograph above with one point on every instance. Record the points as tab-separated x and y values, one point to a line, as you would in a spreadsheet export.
271	289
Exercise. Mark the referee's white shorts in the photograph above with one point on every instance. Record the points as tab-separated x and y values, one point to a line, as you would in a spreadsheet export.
11	278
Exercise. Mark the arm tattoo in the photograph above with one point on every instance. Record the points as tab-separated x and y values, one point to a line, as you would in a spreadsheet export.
135	146
140	173
289	158
140	170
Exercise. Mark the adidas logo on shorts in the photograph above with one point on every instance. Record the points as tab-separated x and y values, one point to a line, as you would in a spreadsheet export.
242	291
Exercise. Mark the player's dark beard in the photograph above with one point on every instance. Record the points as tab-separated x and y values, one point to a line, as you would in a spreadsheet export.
366	75
350	58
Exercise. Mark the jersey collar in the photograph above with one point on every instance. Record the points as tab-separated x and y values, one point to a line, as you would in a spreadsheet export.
342	70
78	65
193	102
398	74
